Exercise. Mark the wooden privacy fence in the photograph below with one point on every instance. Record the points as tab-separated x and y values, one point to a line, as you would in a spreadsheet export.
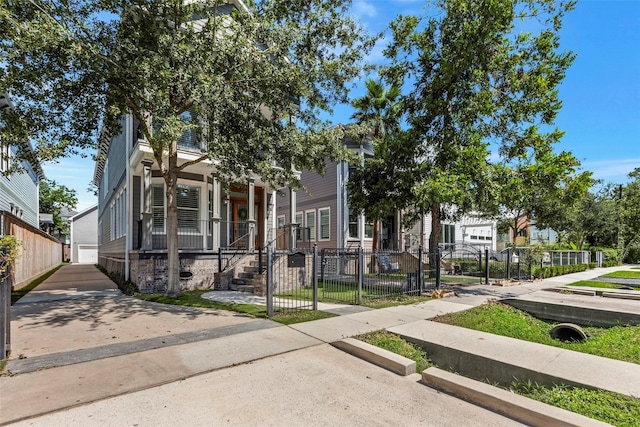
39	252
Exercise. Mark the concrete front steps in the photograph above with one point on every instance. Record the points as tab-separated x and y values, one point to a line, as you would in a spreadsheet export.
249	279
499	359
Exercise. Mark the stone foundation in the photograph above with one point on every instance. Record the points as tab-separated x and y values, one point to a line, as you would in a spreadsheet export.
148	270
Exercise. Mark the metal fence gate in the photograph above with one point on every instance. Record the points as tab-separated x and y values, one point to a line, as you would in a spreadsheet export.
292	281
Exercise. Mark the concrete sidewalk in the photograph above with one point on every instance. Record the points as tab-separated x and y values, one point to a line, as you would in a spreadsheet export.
115	345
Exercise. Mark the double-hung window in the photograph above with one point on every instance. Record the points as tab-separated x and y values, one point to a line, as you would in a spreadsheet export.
310	223
188	199
324	217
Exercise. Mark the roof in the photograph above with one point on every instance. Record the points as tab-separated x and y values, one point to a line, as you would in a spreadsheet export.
83	213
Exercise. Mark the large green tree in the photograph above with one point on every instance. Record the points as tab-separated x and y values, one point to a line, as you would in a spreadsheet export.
542	186
239	77
629	218
481	85
54	198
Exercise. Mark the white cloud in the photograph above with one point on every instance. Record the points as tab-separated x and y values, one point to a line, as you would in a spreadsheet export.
362	9
614	170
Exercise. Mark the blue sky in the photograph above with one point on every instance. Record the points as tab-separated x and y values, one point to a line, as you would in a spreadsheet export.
601	91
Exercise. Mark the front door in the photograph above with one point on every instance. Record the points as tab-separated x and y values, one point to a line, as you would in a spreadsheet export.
240	225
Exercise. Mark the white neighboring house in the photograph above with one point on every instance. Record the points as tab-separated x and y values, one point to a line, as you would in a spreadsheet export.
471	230
84	236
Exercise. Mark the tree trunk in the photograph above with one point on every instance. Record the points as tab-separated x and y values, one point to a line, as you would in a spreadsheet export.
173	258
376	235
434	237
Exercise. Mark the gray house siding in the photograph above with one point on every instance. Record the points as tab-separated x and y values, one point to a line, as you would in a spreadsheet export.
111	186
21	190
84	231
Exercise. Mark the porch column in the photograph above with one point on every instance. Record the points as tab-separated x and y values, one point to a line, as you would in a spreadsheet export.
216	218
293	207
147	215
251	207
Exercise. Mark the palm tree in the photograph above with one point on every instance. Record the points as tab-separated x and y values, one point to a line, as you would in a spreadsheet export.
380	110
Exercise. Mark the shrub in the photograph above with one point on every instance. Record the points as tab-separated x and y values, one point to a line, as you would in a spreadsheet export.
557	270
125	286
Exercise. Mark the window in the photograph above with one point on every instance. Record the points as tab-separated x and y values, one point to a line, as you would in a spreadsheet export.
281	221
188	199
5	160
368	228
188	208
310	223
354	229
300	225
448	234
157	207
190	138
325	232
118	216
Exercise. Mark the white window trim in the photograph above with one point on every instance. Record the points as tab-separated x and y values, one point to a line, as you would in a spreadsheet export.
203	202
312	237
320	210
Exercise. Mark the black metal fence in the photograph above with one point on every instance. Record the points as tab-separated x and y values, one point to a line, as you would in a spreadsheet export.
297	280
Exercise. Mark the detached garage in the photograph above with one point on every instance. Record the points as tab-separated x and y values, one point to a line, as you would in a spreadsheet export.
87	254
84	236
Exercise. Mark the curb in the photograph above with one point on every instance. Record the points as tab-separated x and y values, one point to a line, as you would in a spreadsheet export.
378	356
504	402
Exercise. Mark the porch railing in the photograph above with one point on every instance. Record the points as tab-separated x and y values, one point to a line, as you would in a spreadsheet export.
197	234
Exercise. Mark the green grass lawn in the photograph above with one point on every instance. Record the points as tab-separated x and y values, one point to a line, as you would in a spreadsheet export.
19	293
395	344
194	299
616	409
618	342
625	274
596	284
613	408
343	294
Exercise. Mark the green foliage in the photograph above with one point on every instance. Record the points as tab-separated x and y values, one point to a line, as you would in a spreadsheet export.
595	284
125	286
613	408
9	252
618	342
475	91
53	198
232	79
627	274
396	344
629	218
557	270
300	316
194	299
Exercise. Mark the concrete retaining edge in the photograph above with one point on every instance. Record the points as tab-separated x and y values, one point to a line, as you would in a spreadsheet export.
376	355
504	402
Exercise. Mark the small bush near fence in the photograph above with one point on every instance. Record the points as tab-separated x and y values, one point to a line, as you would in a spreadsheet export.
125	286
557	270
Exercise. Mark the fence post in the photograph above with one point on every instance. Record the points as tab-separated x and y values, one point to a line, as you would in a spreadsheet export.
315	276
260	260
508	263
219	260
5	315
486	266
322	265
420	272
519	255
360	274
438	257
269	282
